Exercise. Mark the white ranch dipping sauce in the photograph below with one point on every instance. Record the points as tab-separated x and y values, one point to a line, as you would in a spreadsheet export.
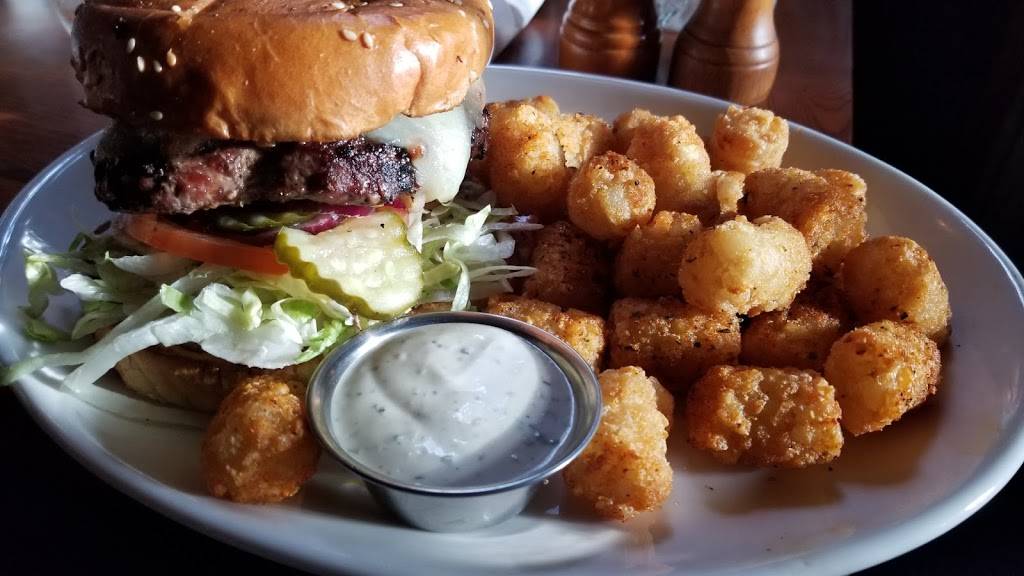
452	405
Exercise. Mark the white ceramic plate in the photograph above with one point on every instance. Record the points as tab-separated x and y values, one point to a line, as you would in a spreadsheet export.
887	494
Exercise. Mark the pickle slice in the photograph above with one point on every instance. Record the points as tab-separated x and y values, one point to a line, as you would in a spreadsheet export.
365	263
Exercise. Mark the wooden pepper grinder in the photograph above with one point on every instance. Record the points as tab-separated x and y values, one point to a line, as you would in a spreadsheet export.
728	49
611	37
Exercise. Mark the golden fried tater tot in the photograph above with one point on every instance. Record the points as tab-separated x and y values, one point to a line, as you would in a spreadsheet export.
747	140
880	371
727	189
764	416
852	183
542	103
798	337
525	160
582	137
258	447
671	340
893	278
828	212
582	331
742	267
610	196
573	270
624	470
647	264
665	401
672	153
626	124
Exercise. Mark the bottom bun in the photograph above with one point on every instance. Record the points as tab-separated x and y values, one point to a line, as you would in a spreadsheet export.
192	379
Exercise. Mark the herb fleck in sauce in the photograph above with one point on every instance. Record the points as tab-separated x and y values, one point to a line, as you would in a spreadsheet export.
453	405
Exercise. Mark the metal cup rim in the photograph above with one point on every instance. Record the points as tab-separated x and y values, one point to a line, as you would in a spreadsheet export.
584	386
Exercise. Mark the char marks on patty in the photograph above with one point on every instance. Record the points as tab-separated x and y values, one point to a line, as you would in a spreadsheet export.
156	173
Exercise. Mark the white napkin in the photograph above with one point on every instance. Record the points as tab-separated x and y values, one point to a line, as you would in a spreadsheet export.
674	14
511	16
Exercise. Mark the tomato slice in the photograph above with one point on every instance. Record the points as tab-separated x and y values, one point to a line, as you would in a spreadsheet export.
173	239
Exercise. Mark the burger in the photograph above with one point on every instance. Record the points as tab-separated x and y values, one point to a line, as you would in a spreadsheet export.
280	174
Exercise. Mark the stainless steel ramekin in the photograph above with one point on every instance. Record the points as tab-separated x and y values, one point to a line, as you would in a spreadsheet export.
446	509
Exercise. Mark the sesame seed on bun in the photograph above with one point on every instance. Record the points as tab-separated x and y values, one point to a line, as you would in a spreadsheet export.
278	70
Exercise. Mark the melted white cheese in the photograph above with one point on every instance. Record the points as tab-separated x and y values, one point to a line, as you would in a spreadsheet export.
444	141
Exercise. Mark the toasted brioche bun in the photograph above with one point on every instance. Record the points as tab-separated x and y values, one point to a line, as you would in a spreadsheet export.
278	70
192	379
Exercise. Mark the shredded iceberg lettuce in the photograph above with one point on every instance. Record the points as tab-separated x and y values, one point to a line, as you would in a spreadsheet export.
465	246
135	298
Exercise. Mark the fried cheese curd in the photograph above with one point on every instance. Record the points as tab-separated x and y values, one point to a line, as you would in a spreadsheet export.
533	150
647	263
624	470
827	211
671	152
543	103
582	137
610	196
584	332
800	336
526	166
664	400
893	278
727	189
880	371
779	417
747	140
573	270
625	126
671	340
258	448
852	183
743	267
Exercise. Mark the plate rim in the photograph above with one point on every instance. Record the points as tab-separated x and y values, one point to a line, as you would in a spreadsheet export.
991	474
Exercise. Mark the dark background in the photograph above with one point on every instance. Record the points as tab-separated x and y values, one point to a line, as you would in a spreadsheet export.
938	93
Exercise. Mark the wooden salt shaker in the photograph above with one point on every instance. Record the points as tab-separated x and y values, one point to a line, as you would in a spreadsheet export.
611	37
728	49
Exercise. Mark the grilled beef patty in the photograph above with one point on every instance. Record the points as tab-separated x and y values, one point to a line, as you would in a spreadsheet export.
146	172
